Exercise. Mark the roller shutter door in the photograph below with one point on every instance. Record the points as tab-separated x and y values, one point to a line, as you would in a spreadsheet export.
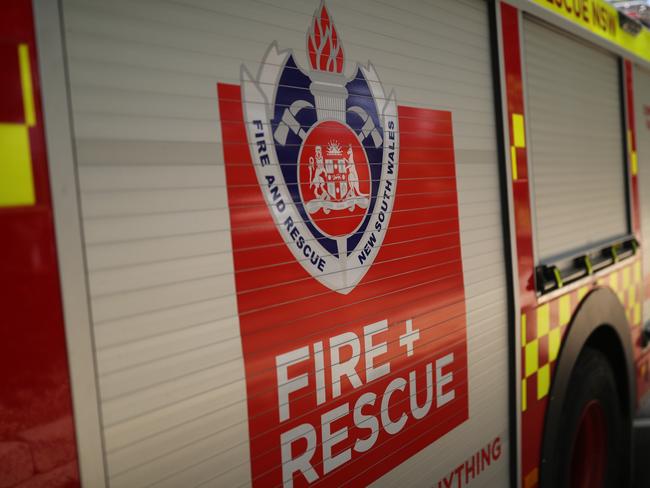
575	140
161	217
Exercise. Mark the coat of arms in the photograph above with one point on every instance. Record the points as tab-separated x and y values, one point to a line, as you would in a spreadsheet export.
325	145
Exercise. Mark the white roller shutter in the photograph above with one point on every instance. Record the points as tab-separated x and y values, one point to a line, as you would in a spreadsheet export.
575	141
158	234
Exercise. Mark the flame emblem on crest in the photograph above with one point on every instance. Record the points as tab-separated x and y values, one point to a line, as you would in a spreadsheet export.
323	45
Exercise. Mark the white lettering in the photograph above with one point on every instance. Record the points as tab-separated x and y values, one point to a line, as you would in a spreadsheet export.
390	426
417	411
345	368
330	439
444	379
301	463
285	385
374	350
365	422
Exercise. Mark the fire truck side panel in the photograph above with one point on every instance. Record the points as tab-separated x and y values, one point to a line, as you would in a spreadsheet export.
150	128
575	141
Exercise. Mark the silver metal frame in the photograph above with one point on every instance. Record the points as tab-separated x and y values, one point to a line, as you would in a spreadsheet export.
69	241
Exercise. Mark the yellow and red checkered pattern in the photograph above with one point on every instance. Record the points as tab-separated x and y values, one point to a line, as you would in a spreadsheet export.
542	331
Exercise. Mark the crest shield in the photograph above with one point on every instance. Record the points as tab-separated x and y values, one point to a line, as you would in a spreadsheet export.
325	151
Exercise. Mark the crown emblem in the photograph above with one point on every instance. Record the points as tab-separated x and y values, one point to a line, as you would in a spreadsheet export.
334	148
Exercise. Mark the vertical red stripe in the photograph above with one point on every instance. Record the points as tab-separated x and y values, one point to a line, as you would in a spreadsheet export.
532	420
520	186
631	150
37	438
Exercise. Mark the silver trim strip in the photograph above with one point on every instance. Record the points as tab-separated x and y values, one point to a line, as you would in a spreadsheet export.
69	242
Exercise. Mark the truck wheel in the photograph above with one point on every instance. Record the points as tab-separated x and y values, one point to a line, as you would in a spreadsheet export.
594	435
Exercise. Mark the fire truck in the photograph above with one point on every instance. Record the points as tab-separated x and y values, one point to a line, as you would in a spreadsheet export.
282	243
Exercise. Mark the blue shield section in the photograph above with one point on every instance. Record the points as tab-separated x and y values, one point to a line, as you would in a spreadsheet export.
294	85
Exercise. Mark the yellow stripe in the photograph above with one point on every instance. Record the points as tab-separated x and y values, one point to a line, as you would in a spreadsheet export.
543	381
16	180
634	163
602	19
564	309
523	329
543	320
513	161
523	395
518	130
582	292
26	83
554	340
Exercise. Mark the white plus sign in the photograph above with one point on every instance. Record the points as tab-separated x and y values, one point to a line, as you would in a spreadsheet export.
409	337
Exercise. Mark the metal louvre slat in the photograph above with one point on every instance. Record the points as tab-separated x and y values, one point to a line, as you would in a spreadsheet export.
575	142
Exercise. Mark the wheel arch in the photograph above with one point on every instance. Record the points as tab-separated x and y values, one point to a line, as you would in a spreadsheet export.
599	322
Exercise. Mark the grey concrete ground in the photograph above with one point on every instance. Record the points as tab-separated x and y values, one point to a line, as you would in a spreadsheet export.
642	449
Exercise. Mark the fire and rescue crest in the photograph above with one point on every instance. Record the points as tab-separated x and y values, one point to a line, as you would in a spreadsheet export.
325	150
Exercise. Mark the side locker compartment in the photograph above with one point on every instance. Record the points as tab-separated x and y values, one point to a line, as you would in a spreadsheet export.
575	192
292	221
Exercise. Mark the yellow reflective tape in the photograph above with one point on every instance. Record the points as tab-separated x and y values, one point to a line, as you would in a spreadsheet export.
636	319
532	357
523	329
564	310
543	381
634	163
523	395
543	320
16	180
554	339
582	292
26	83
637	272
601	19
518	131
513	161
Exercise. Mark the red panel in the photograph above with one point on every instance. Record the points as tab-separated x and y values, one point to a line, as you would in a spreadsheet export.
11	102
520	186
532	419
417	275
642	359
36	431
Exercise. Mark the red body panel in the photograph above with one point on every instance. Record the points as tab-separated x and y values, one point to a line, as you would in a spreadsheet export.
37	442
642	357
545	322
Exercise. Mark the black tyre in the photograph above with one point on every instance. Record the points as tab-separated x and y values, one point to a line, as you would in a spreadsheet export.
594	438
